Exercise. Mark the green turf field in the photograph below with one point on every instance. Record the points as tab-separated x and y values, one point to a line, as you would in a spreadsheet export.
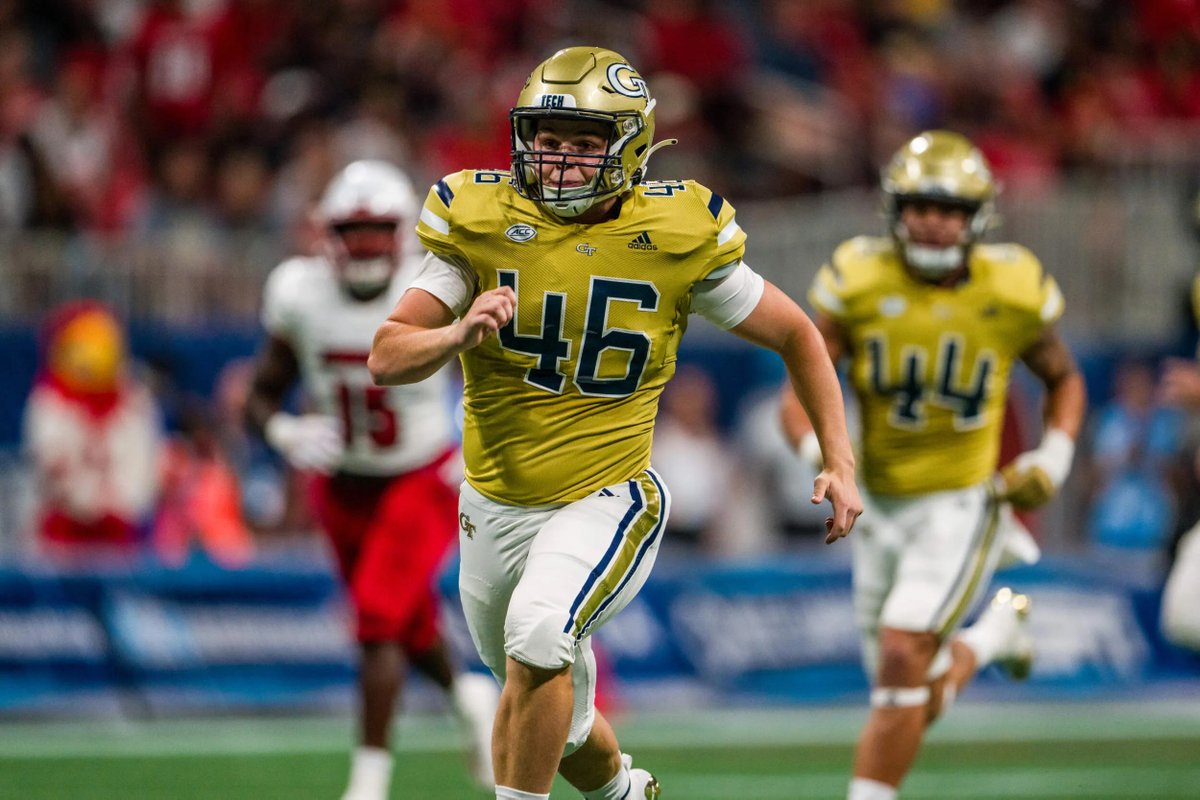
981	752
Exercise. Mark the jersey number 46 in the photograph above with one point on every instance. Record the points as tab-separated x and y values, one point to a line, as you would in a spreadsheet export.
553	350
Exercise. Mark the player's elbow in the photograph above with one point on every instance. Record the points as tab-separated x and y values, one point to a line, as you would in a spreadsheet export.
386	369
381	361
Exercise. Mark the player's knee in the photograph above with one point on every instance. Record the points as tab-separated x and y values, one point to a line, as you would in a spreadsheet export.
533	635
905	657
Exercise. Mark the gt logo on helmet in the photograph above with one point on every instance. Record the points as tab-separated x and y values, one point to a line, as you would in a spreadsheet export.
623	78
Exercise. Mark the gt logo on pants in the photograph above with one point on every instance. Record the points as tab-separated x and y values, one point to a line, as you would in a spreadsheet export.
468	527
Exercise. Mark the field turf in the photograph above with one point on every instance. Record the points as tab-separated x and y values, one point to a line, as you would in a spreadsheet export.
980	752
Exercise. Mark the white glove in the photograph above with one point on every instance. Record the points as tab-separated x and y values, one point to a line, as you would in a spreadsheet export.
1033	477
308	442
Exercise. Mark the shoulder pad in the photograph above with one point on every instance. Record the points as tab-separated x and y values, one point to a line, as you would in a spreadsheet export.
287	281
440	215
1019	281
443	191
288	287
857	266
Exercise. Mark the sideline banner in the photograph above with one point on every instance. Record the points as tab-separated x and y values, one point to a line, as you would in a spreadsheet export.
785	630
156	640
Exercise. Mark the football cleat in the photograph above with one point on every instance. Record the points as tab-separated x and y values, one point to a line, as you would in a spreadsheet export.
642	784
1011	612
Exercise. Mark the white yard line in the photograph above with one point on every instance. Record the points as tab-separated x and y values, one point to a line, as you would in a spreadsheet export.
793	726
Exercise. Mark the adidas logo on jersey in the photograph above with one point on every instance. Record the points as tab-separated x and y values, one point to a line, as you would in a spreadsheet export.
642	242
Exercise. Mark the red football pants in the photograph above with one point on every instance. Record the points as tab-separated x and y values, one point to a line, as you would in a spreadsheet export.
390	536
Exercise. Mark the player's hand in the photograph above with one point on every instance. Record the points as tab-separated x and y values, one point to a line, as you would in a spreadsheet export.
491	311
1181	383
308	442
1026	486
1031	479
839	488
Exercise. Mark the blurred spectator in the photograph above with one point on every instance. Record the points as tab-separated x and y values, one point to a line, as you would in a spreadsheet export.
200	68
242	194
1132	443
274	499
308	166
1133	428
77	129
177	206
201	499
800	96
92	432
776	476
696	461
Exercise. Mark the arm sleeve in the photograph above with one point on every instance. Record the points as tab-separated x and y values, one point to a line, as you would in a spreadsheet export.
728	298
449	282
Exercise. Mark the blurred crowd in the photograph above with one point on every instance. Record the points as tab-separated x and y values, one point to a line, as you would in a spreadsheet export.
197	119
200	124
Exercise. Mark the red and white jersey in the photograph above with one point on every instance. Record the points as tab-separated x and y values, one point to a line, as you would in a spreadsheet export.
388	430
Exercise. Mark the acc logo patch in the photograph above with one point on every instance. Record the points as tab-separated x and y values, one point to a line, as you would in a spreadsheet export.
520	232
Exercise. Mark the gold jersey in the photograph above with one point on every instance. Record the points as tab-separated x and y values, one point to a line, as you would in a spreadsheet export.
561	403
930	365
1196	306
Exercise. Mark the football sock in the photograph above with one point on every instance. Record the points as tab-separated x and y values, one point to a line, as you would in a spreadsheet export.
370	772
867	789
505	793
616	789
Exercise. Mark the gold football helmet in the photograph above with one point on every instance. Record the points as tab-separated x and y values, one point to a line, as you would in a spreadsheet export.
940	167
586	84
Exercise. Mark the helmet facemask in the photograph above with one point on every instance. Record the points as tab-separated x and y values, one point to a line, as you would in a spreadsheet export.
932	261
942	168
365	255
582	85
611	176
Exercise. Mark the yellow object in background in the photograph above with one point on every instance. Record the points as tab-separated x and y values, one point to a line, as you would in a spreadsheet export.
88	353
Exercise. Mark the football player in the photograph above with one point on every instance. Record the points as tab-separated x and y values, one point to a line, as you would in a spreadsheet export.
930	321
382	459
571	278
1181	597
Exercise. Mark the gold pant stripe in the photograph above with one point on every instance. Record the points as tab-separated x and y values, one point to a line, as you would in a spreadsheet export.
642	531
979	558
